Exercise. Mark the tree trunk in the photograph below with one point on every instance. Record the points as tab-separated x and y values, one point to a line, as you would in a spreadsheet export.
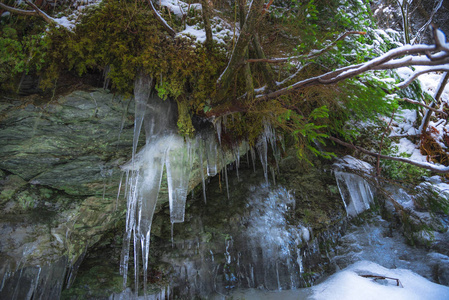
238	54
426	119
206	19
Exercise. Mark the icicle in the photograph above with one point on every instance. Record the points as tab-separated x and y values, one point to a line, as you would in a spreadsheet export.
178	172
136	261
119	190
142	90
253	158
217	125
273	175
200	151
172	240
149	185
211	155
122	123
237	161
355	192
225	171
263	153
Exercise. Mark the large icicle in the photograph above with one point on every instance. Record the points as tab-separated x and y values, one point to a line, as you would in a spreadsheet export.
178	165
145	172
199	142
211	154
262	148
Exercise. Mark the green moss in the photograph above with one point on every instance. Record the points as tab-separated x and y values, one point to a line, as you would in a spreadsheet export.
26	201
12	184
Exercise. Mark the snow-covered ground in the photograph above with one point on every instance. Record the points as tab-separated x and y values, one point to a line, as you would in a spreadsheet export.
350	284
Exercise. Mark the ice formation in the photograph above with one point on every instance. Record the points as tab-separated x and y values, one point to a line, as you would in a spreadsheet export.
144	174
164	150
275	244
355	190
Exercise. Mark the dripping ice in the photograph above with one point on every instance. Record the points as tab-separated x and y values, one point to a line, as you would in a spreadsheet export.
355	191
163	148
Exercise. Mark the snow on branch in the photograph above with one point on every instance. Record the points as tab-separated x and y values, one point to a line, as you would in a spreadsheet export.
434	168
164	23
312	54
416	74
435	56
35	12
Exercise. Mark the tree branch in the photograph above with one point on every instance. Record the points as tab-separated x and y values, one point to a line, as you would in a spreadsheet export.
161	20
384	62
406	83
426	106
305	56
206	20
428	166
238	54
438	93
36	12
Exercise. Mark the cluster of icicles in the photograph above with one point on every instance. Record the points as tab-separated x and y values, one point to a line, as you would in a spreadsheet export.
165	148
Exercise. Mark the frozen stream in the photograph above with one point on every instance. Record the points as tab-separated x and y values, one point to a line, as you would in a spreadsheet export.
371	249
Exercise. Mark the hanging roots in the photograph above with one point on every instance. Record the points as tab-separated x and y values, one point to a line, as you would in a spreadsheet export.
433	150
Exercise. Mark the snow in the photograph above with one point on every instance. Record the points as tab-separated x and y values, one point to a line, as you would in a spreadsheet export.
353	163
179	8
219	33
199	35
65	22
405	146
441	38
348	284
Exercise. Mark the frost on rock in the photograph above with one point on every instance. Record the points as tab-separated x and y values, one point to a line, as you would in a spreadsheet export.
355	191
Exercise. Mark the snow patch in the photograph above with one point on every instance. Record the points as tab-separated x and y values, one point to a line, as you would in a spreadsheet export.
348	285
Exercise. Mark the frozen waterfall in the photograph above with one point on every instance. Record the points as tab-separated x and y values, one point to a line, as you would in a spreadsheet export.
163	148
355	191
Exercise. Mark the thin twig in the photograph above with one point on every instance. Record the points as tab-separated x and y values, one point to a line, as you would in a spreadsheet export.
428	166
382	142
426	106
305	56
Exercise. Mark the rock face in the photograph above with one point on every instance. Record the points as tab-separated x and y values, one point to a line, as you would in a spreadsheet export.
59	185
270	236
59	181
60	175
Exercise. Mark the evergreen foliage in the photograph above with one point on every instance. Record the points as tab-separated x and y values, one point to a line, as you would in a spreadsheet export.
122	37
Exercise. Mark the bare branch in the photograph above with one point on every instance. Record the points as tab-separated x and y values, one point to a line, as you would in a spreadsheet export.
40	13
384	62
430	19
424	165
36	12
309	55
416	74
436	97
18	11
161	20
426	106
238	53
